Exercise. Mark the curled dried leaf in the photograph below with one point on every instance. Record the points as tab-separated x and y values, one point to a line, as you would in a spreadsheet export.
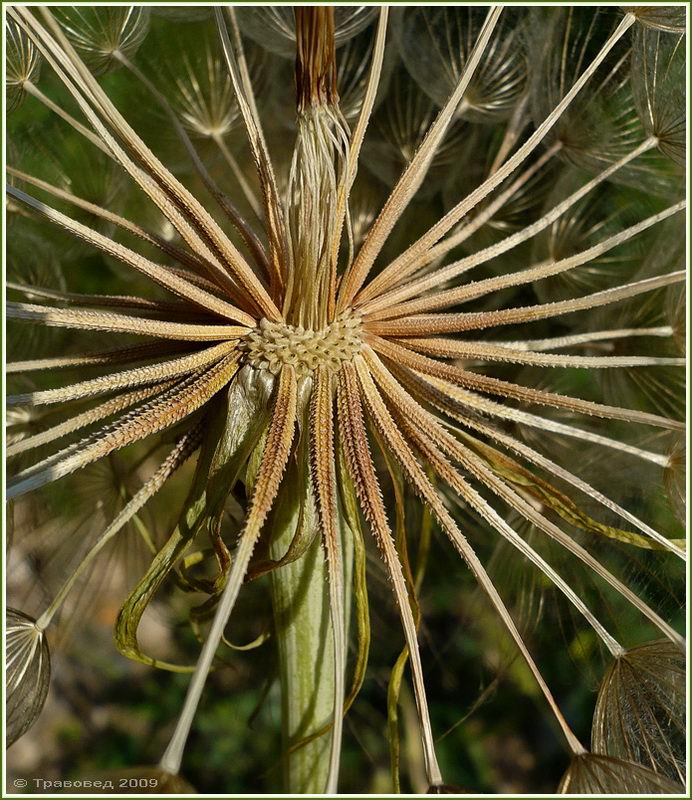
28	673
596	774
231	430
640	712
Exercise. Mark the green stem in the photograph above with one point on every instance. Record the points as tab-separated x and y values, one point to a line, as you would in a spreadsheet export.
300	597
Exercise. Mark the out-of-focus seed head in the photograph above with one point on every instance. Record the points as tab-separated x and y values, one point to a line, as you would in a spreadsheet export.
205	99
661	18
398	128
675	308
275	27
22	65
102	35
28	673
675	478
640	712
606	211
257	398
604	124
661	390
435	45
364	204
658	86
596	774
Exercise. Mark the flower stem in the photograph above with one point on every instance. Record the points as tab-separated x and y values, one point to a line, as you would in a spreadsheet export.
300	597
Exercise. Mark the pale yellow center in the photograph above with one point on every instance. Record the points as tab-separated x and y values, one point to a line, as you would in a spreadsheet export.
274	344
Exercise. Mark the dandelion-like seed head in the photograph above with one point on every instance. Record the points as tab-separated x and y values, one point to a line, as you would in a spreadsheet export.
103	36
359	361
663	18
205	98
22	64
28	672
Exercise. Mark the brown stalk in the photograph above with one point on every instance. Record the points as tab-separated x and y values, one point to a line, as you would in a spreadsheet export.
315	57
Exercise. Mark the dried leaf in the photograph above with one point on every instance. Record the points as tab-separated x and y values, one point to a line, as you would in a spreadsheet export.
560	503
